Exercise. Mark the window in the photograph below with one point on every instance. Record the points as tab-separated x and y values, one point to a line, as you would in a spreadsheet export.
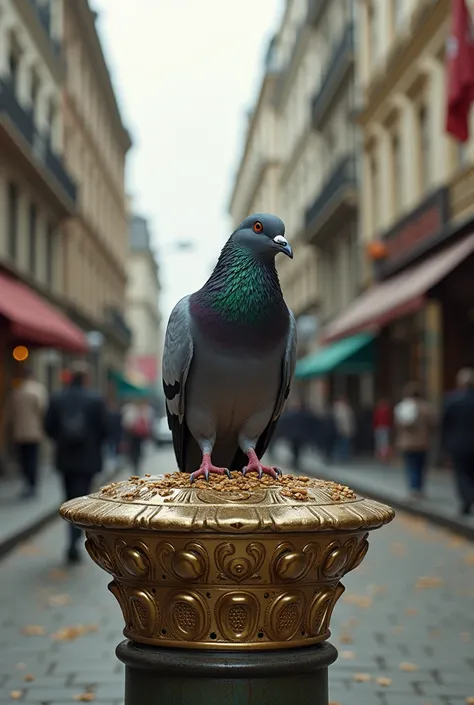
425	145
397	14
397	172
32	238
35	86
13	68
462	153
12	220
50	255
373	32
374	176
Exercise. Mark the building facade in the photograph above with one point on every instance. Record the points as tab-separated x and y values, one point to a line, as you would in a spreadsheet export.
302	135
96	144
416	202
143	312
38	193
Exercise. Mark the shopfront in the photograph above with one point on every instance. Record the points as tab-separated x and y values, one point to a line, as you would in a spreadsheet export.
421	305
28	323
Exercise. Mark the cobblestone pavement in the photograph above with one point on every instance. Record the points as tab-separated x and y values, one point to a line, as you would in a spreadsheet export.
403	627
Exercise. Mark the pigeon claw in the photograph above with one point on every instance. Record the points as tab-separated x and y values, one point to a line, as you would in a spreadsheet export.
262	470
206	469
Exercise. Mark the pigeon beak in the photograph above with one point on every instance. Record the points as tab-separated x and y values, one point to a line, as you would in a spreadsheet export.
283	245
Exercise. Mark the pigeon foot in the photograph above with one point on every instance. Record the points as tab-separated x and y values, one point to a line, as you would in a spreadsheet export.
254	465
207	468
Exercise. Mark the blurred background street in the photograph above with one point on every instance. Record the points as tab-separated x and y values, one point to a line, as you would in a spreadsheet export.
134	138
404	627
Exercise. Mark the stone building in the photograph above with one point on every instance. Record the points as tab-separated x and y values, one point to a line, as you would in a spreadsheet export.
143	312
96	144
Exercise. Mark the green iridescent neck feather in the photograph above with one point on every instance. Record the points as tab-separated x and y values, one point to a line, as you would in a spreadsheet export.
244	286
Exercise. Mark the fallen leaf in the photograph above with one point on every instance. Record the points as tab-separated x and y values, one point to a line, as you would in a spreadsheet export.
404	666
398	549
469	559
384	681
59	600
346	639
16	694
71	633
470	701
410	611
58	574
349	655
362	677
34	630
21	666
29	678
427	582
85	697
29	549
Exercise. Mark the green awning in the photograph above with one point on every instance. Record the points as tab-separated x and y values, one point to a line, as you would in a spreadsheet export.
352	355
125	388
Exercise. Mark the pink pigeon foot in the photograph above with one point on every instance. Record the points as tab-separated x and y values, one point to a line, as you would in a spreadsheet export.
207	468
254	465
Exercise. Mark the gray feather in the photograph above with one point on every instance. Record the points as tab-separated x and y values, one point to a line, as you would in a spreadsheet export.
177	356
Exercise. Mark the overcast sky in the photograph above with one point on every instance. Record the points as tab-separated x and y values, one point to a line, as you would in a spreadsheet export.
185	72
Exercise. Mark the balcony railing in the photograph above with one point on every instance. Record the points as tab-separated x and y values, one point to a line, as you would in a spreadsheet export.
339	63
116	322
342	178
43	12
40	147
315	11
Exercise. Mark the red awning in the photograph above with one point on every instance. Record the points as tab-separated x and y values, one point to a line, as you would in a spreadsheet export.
34	320
398	296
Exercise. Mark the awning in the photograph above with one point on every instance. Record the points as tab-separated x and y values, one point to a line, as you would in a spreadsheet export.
398	296
349	356
126	388
34	320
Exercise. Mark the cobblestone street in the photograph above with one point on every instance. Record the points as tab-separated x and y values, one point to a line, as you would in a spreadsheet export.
403	628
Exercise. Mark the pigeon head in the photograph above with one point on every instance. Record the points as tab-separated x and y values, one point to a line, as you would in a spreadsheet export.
263	233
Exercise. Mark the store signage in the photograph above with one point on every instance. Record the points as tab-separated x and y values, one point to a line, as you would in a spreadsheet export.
418	230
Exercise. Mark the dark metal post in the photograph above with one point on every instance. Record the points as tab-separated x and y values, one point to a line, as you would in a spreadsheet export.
164	676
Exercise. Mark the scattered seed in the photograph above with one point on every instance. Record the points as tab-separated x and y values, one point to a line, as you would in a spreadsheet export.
362	677
384	682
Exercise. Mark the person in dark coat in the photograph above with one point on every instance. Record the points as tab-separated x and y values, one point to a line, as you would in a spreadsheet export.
77	422
457	437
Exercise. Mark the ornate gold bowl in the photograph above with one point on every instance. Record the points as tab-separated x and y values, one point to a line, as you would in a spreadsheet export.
233	564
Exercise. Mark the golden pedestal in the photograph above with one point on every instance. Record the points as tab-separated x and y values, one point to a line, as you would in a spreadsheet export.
241	564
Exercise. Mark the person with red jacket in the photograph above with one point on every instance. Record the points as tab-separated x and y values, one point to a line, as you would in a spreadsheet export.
382	425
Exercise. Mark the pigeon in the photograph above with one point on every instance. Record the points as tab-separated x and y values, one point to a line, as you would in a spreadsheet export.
229	357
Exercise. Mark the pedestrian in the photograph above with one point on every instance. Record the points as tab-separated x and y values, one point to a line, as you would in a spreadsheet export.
457	437
344	419
414	424
138	425
115	432
26	408
77	421
382	425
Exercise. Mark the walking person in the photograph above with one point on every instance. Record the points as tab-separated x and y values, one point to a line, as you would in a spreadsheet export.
77	421
26	410
457	437
115	432
344	419
382	425
138	425
414	424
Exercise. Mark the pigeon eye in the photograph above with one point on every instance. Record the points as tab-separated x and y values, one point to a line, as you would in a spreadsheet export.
257	227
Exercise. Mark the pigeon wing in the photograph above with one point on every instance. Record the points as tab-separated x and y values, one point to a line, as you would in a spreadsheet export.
177	357
287	371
